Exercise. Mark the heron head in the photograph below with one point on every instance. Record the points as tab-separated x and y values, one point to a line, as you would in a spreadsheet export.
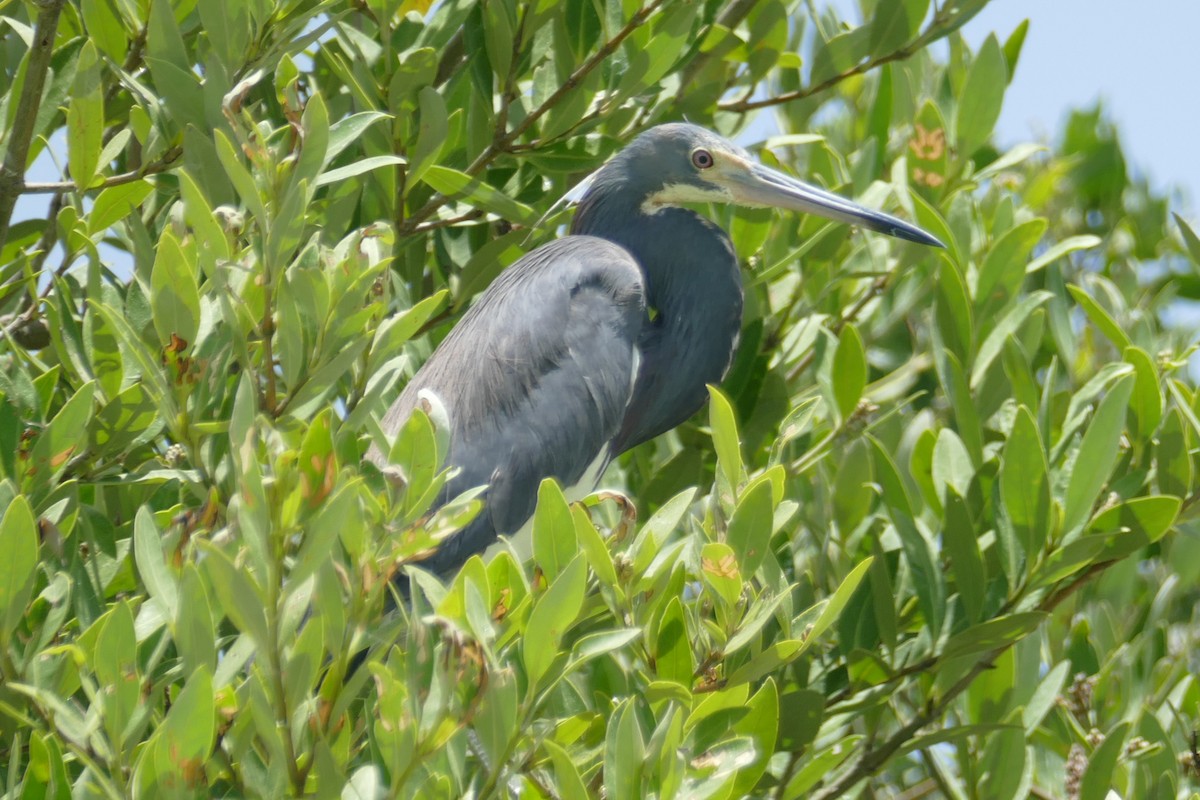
681	163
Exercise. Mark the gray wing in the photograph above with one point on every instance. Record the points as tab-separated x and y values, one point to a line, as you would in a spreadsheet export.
535	379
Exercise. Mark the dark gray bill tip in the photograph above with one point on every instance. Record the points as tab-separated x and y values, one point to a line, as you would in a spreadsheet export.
910	233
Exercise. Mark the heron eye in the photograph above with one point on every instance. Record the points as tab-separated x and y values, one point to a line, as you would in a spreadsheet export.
702	159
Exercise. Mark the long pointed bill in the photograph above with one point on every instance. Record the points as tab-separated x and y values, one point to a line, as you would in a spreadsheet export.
763	186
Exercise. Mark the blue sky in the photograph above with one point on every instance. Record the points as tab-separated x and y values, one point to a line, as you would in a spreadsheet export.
1141	59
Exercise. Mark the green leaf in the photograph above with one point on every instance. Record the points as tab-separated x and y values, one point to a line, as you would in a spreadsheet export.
994	634
593	547
453	183
1147	400
1098	776
18	567
186	736
1003	270
553	614
85	119
966	562
1025	483
104	27
832	610
1008	325
1063	248
723	423
981	97
749	532
174	293
673	659
236	593
820	764
719	567
895	23
151	563
431	133
1138	522
1190	239
554	543
1101	318
116	667
1172	456
242	180
194	624
498	37
1097	454
1045	697
917	548
64	438
347	130
570	785
849	372
116	203
357	168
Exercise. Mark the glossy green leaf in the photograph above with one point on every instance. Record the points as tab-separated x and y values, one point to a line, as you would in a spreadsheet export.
1061	249
1190	240
18	569
1136	523
673	658
64	438
1101	318
151	563
749	532
1097	453
725	436
981	97
1172	456
833	609
1098	775
116	203
849	371
1025	483
174	294
85	119
1146	403
554	543
453	183
357	168
1004	268
554	612
895	23
1008	325
966	562
994	634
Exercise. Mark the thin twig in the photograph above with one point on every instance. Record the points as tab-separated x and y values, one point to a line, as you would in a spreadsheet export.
12	172
162	164
936	30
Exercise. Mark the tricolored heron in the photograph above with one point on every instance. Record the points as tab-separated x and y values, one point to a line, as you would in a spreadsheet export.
601	340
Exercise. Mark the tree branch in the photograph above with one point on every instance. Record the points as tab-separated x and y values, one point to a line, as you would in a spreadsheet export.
162	164
873	759
12	172
501	144
939	27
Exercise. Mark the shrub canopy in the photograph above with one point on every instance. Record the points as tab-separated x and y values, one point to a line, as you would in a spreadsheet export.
932	534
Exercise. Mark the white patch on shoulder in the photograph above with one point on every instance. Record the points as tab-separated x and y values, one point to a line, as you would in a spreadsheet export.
431	403
675	194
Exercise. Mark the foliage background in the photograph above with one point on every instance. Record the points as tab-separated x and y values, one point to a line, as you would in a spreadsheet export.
931	538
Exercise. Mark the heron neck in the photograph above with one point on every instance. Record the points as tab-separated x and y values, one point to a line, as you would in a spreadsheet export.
694	294
689	261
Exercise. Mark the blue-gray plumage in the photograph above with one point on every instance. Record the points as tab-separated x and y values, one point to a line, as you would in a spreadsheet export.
538	378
